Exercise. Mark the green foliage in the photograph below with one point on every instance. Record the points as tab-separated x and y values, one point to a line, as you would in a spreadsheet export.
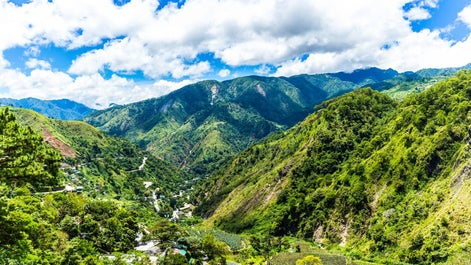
309	260
362	171
103	165
24	158
62	228
213	247
200	126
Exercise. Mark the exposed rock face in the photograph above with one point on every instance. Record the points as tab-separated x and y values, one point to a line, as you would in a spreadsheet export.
57	144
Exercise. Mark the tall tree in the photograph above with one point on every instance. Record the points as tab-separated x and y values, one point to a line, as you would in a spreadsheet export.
24	157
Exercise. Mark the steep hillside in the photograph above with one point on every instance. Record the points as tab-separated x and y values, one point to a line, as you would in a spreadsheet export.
389	181
62	109
54	227
103	165
103	223
200	126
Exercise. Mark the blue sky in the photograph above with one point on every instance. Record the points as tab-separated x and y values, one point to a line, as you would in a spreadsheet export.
119	51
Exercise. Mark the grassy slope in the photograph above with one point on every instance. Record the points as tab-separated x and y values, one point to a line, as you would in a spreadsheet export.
108	165
402	193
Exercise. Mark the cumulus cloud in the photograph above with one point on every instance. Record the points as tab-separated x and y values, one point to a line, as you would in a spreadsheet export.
92	90
224	73
465	16
263	70
417	13
35	63
293	36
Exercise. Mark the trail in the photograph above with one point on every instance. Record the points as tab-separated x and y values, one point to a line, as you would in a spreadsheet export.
141	167
156	202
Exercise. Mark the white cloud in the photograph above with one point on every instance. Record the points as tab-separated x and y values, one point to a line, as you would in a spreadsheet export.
429	3
465	16
417	13
224	73
263	70
330	35
400	48
35	63
92	90
32	51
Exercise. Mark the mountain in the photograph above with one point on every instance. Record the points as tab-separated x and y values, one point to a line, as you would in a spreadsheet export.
200	126
103	165
42	223
62	109
389	181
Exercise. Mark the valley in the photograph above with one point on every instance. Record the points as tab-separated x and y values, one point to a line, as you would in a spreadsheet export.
228	132
254	170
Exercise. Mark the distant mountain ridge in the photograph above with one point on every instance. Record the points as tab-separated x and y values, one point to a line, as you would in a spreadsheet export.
201	125
61	109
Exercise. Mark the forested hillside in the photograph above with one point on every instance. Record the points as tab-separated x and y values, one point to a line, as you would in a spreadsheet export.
48	230
99	223
200	126
125	200
389	181
101	164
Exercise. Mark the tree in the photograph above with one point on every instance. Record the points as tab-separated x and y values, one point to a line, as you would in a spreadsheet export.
24	157
213	247
175	259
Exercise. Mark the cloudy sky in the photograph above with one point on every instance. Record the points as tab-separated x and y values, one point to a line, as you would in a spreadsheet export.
102	51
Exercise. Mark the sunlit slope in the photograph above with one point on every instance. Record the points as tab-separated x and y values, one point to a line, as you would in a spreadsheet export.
387	180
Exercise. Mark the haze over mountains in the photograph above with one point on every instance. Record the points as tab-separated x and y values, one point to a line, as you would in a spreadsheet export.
62	109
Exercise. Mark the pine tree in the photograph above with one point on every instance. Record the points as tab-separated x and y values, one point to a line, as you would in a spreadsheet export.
24	157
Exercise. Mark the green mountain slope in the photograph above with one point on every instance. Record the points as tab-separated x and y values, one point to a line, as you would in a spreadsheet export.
62	109
57	227
202	125
41	225
389	181
103	165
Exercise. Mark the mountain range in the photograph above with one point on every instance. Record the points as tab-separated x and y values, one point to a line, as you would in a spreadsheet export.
389	181
61	109
382	172
102	165
200	126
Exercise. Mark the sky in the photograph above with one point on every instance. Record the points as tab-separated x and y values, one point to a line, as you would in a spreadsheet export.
100	52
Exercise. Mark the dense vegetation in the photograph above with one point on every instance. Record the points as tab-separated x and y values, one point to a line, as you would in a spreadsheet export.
24	158
201	126
104	165
42	224
387	180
